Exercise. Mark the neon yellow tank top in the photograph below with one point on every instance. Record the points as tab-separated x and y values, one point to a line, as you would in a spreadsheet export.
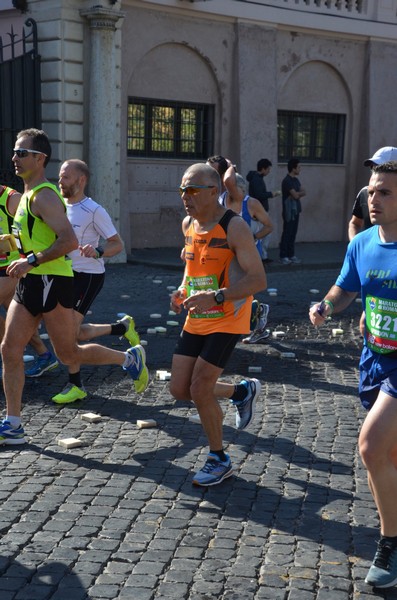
6	220
32	234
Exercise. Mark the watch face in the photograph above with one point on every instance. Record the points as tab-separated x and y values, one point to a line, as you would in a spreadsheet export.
219	297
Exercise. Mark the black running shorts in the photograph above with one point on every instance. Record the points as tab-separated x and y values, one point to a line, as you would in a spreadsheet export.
41	293
86	288
215	348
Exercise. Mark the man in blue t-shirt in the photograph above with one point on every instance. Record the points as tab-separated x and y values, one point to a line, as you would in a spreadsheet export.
370	268
360	216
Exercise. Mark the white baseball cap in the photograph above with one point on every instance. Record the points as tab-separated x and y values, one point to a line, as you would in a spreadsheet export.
381	156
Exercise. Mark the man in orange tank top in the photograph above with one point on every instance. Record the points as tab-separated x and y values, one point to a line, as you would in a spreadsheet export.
223	270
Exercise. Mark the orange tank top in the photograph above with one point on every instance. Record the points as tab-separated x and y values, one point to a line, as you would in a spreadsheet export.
211	265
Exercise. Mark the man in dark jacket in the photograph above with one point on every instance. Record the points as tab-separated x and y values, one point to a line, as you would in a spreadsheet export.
257	189
292	193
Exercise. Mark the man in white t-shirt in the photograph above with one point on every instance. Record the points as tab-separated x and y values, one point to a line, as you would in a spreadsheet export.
90	222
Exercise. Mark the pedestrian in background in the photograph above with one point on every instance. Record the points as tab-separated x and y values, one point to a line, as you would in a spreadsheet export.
257	189
292	192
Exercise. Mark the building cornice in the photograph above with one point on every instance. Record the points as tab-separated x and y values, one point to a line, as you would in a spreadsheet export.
300	18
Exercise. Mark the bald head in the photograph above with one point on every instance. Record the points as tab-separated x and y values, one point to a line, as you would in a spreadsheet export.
203	174
73	178
78	165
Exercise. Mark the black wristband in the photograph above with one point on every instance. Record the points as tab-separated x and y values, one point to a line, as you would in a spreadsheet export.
99	251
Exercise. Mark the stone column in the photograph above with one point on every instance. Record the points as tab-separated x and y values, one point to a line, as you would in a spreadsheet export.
103	107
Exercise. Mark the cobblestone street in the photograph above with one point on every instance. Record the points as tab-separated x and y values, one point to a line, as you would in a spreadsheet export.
118	517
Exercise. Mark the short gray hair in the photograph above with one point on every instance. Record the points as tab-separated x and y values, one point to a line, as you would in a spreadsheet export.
240	181
205	173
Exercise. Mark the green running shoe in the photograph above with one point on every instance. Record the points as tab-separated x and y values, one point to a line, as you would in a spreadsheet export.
70	393
130	333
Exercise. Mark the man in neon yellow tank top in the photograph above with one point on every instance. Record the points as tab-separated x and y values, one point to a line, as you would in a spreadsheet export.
45	287
223	269
9	200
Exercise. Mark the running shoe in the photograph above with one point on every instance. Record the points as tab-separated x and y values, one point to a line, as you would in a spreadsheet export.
255	307
138	369
295	260
245	409
383	571
10	436
285	261
260	332
44	362
257	336
130	333
70	393
214	471
263	314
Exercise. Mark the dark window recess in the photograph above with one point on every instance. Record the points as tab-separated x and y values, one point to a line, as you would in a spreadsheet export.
164	129
311	137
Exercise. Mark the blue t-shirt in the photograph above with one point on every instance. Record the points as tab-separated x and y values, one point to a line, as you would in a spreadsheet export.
370	265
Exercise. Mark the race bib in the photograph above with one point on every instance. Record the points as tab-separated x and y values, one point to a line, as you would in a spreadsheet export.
199	284
381	324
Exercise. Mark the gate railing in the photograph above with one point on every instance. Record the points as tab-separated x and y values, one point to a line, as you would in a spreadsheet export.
20	99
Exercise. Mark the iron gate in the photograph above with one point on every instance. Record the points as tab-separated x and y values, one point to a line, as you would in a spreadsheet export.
20	98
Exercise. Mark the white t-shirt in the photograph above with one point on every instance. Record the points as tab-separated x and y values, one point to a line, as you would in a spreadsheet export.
90	222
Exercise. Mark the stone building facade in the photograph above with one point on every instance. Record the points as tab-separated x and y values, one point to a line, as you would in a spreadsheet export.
251	67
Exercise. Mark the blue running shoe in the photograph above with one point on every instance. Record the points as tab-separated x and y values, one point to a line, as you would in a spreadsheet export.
214	471
138	369
245	409
10	436
383	571
44	362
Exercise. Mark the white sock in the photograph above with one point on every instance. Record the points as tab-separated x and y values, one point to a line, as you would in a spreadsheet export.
14	421
129	360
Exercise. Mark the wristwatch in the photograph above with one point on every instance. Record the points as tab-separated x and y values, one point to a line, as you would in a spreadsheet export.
219	297
32	259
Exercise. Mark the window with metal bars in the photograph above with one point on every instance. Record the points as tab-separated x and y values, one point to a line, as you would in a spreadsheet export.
166	129
312	137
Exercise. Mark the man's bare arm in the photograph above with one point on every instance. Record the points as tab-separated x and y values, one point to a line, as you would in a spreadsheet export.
257	211
356	225
253	277
336	300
